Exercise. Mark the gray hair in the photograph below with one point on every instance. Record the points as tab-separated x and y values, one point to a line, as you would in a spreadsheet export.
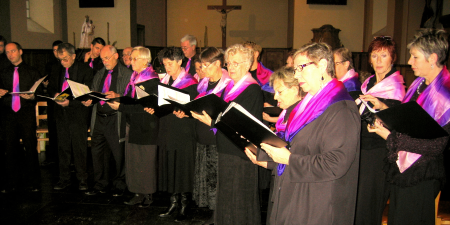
191	38
69	48
143	53
316	52
247	53
345	55
429	41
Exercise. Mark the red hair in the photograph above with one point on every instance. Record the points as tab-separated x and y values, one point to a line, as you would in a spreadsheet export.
383	42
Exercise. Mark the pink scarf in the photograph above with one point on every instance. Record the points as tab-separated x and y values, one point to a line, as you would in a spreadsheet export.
390	87
232	91
146	74
263	74
435	100
223	83
183	80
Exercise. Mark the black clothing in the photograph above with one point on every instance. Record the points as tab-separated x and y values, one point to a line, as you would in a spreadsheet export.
108	132
237	191
4	62
98	64
19	125
51	152
71	121
192	66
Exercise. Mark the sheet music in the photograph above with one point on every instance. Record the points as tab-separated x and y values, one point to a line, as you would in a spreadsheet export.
78	89
33	88
164	92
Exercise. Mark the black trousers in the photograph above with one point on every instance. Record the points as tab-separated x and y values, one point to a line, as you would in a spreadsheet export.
105	143
72	137
20	161
51	153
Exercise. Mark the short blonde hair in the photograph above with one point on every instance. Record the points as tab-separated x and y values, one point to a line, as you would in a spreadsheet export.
429	41
253	45
143	53
286	75
247	53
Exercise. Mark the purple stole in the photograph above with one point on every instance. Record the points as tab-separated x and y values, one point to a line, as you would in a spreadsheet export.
183	80
263	74
223	83
435	100
351	81
232	91
310	108
146	74
390	87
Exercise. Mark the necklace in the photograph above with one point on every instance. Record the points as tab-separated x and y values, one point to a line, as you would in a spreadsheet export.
420	85
213	82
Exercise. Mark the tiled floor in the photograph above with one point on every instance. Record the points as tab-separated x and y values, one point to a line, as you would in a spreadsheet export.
71	206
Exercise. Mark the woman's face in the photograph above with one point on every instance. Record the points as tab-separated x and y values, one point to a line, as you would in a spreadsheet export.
284	95
137	63
309	79
173	67
237	72
381	61
199	71
340	67
211	69
419	64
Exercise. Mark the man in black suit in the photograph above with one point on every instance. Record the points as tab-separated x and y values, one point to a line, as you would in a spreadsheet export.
92	58
108	125
71	117
188	45
19	121
4	62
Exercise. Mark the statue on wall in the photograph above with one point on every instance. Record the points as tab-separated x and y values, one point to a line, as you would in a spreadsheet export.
87	33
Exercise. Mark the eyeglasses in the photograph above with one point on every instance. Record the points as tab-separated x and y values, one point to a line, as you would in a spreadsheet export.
135	59
65	59
184	48
279	92
129	54
339	63
233	64
107	59
204	66
299	68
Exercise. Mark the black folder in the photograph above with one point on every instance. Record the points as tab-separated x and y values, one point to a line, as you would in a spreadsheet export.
211	104
236	122
150	101
273	111
411	119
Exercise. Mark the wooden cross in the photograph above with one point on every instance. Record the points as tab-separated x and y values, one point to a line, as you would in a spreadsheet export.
224	9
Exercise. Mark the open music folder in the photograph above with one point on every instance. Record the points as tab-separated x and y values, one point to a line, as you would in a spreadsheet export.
211	104
32	89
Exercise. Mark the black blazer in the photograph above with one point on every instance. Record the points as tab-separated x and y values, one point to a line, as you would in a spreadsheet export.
143	126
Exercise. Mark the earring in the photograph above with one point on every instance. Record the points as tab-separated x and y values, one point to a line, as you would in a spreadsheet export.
371	65
322	78
432	66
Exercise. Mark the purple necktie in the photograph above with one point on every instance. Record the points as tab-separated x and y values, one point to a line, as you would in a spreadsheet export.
106	85
91	64
65	84
16	98
188	66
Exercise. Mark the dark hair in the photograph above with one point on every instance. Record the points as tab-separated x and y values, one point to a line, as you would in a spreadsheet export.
383	42
429	41
2	39
56	43
212	54
19	47
69	48
172	53
346	55
98	40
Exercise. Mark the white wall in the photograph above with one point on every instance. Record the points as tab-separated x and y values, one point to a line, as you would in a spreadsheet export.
118	18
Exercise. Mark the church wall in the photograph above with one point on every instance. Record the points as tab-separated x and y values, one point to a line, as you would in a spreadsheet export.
152	14
262	21
118	18
33	40
348	18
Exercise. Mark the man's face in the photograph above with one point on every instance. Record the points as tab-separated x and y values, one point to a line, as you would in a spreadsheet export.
2	47
55	51
66	59
109	59
95	50
126	56
188	50
14	55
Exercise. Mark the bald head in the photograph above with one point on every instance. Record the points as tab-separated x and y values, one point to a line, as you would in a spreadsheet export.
109	56
126	56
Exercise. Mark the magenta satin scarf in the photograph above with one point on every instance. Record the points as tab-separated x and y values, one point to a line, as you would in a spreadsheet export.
232	91
15	103
146	74
263	74
223	83
351	81
391	87
183	80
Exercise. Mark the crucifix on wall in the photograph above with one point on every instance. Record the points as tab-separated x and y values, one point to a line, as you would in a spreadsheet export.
224	9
